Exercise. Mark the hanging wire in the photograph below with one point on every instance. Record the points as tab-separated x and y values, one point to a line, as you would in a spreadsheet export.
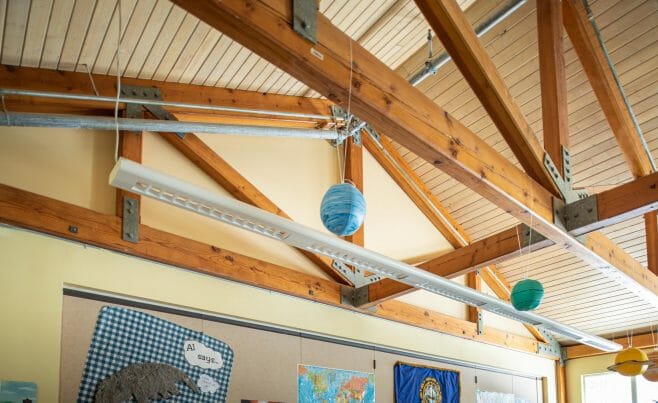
341	164
518	238
525	274
653	337
116	104
91	79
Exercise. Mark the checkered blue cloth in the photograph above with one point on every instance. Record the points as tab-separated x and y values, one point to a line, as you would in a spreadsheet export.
123	337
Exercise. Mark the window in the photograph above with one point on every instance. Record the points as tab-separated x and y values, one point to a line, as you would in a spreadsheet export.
614	388
647	392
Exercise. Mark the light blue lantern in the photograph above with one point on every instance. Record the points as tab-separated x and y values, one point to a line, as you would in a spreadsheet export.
343	209
527	295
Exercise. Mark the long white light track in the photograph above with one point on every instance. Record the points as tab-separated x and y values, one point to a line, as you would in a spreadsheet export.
145	181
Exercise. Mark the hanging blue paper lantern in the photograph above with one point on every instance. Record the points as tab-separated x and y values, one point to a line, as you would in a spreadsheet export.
527	295
343	209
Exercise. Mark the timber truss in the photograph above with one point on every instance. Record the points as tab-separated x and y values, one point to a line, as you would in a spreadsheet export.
538	194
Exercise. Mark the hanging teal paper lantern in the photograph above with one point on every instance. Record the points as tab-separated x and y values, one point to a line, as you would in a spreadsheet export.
343	209
527	295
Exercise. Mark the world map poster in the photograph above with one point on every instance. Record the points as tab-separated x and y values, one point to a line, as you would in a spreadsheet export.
329	385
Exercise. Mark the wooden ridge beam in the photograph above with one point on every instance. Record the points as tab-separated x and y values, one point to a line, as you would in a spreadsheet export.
448	21
391	105
647	340
600	76
27	78
206	159
553	81
42	214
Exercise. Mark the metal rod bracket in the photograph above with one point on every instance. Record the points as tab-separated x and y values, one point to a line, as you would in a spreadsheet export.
356	276
149	94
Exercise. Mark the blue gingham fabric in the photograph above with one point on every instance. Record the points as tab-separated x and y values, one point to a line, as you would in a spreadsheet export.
123	337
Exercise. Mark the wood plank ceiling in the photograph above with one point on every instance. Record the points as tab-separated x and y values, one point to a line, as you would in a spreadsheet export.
160	41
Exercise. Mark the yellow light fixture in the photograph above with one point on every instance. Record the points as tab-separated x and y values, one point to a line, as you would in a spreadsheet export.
630	362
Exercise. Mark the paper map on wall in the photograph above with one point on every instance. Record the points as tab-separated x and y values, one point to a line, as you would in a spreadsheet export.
318	384
123	337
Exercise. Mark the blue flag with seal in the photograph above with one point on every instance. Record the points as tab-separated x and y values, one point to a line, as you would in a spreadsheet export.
420	384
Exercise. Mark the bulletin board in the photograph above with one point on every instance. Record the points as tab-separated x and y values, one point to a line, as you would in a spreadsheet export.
265	359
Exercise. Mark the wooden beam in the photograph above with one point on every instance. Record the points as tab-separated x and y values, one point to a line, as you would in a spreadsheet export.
354	174
491	250
388	158
130	147
561	382
585	43
610	97
474	281
613	206
206	159
553	80
396	310
404	176
27	78
621	203
460	40
391	105
42	214
647	340
651	229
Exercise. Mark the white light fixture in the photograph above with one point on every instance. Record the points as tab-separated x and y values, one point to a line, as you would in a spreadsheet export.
136	178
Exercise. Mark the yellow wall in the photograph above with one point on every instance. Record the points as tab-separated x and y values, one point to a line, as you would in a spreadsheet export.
73	166
35	268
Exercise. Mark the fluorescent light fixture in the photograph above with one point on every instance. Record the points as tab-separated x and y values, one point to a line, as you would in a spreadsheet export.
136	178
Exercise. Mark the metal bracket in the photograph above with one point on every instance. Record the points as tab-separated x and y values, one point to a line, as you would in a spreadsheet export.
558	213
352	127
372	132
357	276
581	214
566	167
529	237
355	297
552	348
563	184
304	18
130	221
480	323
148	93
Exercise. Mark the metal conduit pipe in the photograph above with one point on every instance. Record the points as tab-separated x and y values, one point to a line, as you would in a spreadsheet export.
595	27
171	126
433	66
95	98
